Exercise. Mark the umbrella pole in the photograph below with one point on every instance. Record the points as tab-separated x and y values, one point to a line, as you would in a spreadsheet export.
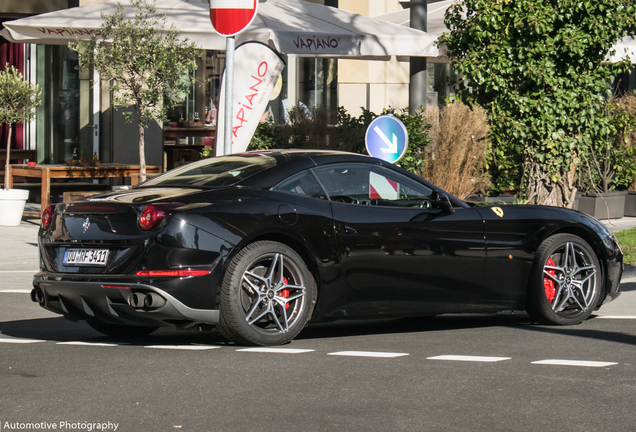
230	43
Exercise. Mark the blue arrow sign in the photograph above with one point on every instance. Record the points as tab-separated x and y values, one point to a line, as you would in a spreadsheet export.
386	138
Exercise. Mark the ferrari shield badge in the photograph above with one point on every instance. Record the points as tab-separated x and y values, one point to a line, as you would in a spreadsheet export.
498	211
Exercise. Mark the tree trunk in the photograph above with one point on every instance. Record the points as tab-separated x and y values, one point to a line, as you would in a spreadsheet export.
8	161
142	154
541	190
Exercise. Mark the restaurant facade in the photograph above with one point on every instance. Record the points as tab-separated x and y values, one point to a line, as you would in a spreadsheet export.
77	118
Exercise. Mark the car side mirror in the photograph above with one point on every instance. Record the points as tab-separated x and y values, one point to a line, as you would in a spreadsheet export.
443	202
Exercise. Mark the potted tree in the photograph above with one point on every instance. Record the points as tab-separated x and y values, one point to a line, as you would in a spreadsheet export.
146	63
18	100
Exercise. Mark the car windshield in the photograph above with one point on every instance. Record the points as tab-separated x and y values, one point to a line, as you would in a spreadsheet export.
214	172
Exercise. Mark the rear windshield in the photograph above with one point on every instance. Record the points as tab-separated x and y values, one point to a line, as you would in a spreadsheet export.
213	172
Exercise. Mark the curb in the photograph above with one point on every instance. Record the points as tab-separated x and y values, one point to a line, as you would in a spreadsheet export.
629	271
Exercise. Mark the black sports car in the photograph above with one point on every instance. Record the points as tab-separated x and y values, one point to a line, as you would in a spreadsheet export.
258	244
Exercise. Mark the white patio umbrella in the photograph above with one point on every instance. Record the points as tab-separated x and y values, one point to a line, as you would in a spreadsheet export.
291	27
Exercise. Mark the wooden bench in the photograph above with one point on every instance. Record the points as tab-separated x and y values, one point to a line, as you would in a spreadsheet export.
15	157
61	189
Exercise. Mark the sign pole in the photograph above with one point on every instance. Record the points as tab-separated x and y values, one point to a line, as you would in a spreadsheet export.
229	18
230	43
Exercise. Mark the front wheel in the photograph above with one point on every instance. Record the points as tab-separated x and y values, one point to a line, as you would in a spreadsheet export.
268	295
565	281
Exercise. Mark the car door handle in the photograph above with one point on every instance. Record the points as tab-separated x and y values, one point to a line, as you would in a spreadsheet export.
347	230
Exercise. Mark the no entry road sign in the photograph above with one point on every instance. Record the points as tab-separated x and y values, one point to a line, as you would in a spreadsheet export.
386	138
230	17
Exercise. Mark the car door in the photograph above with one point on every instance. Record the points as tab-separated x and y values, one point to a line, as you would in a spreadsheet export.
394	241
512	234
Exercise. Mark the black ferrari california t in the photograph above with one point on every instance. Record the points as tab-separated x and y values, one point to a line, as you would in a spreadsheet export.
259	244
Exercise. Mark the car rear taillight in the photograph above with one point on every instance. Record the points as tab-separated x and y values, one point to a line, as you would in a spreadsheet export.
47	216
150	217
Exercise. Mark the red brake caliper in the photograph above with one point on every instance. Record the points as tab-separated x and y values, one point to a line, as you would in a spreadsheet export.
285	292
548	284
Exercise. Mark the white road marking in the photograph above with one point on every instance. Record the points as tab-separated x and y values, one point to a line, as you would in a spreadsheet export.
368	354
183	347
98	344
19	271
276	350
574	363
18	291
469	358
617	316
20	341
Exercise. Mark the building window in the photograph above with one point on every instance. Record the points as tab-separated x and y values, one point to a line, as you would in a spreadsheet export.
67	127
318	85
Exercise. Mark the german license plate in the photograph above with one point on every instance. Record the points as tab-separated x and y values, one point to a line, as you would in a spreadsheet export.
89	257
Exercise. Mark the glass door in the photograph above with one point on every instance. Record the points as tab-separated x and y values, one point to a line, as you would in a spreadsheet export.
72	103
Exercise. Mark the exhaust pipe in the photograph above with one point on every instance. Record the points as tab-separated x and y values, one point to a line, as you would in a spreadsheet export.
154	301
136	300
37	295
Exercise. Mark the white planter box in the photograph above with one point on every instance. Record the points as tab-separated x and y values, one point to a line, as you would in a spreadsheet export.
12	202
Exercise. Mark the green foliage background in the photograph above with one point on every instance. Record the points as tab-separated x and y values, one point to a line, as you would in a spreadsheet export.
538	67
347	135
146	63
18	98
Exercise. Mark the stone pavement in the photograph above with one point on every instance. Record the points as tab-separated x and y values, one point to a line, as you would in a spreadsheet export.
19	255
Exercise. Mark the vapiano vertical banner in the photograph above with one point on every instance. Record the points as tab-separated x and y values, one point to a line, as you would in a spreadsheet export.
256	70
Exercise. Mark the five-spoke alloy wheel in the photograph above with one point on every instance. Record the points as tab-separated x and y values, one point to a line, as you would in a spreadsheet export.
268	295
565	282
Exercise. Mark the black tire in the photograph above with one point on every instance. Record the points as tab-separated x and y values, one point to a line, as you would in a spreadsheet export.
565	281
121	331
260	305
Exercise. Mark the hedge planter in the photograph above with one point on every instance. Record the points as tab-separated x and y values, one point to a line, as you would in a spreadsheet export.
630	204
12	202
609	205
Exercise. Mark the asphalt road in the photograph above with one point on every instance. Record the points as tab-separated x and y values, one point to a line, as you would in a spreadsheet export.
450	373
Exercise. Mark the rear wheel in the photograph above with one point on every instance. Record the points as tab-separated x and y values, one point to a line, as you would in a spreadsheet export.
268	295
565	281
121	330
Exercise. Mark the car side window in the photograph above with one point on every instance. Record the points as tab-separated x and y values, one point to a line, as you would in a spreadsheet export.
372	185
303	183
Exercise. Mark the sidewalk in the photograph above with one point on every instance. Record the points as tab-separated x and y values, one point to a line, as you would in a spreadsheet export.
19	256
616	225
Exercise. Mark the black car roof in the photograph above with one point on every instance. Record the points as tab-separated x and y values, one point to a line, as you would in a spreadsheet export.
289	162
295	154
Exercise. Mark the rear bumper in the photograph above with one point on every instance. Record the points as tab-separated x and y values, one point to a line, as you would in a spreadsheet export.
113	303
